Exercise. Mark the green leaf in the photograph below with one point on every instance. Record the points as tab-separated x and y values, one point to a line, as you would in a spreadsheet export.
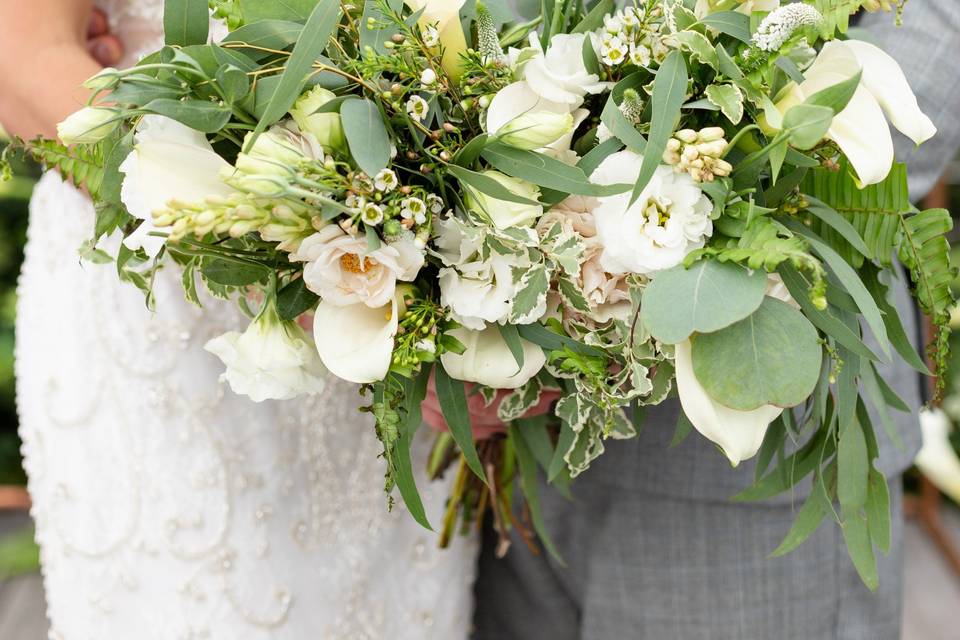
315	35
621	128
853	467
857	536
414	393
200	115
466	156
669	93
791	471
839	224
366	134
698	46
487	185
837	96
771	357
528	484
891	319
683	429
185	22
925	251
540	335
295	299
230	273
807	124
878	511
594	19
732	23
233	82
544	171
728	98
593	158
808	520
268	34
295	10
531	294
707	297
512	337
453	405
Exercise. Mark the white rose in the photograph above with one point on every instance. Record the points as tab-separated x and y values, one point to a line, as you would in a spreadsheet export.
559	74
266	168
670	219
169	162
504	213
488	360
341	271
326	127
271	360
88	125
860	130
738	433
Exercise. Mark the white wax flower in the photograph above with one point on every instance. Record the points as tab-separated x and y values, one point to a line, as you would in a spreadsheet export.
89	125
271	360
488	360
169	161
342	272
559	74
326	127
860	130
417	108
504	213
670	219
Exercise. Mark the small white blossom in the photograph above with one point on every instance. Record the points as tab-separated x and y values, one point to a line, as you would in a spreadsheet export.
779	26
386	181
613	52
435	203
428	346
613	23
418	108
431	36
413	208
639	55
371	214
428	77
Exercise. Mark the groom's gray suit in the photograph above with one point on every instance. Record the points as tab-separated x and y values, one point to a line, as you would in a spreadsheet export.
654	547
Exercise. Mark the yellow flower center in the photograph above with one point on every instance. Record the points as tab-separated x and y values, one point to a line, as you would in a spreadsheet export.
355	264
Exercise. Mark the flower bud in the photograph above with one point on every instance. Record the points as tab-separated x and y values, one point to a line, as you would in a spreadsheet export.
88	125
326	127
535	130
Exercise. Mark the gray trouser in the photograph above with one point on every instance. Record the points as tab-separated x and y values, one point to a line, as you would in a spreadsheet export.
654	567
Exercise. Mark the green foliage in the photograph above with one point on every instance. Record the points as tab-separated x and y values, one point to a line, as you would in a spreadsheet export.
836	15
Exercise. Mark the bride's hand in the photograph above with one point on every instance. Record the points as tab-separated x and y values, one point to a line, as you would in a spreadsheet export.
48	49
483	418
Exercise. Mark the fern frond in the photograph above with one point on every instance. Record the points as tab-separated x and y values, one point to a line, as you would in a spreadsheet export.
924	250
836	15
83	165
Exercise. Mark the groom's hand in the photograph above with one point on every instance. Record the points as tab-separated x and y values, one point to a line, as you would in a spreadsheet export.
483	418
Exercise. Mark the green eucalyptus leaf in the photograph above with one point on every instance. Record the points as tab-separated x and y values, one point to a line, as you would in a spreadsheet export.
453	405
732	23
366	135
807	124
185	22
230	273
199	115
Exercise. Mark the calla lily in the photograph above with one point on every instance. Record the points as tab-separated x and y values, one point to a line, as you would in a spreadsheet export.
488	360
738	433
355	342
861	130
444	15
937	458
169	161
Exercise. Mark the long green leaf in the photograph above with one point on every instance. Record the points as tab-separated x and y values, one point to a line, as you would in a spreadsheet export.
545	171
487	185
185	22
528	483
669	93
453	405
925	251
808	520
415	391
732	23
366	135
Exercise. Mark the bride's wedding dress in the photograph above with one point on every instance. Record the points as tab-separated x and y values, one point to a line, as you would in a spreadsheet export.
168	508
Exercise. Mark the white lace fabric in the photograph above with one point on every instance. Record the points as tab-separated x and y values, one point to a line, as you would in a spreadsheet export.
169	508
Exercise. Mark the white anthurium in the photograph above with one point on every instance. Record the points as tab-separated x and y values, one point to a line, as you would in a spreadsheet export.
444	16
272	360
488	360
861	130
937	459
738	433
521	118
559	74
169	161
355	342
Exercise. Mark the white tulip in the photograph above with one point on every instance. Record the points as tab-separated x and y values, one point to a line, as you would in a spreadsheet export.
488	360
326	127
355	342
860	130
169	161
504	213
937	459
272	360
559	74
88	125
738	433
445	16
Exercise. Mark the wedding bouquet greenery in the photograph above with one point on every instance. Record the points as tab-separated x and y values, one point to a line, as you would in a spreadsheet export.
691	198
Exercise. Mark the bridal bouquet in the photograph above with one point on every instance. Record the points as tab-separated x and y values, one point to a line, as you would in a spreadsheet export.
681	198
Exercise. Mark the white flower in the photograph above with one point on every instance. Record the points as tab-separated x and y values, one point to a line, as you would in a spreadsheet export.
521	118
271	360
560	75
670	218
386	181
435	203
639	55
937	459
326	127
738	433
488	360
89	125
504	213
613	52
265	169
860	130
428	77
355	342
443	17
371	214
412	208
417	108
342	273
778	27
169	161
431	36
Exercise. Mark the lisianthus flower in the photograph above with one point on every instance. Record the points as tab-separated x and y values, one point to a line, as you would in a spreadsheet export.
504	213
559	73
89	125
669	219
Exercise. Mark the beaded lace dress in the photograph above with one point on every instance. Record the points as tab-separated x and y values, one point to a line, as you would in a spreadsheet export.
169	508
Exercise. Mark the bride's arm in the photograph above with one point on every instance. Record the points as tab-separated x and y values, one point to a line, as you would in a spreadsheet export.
43	61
